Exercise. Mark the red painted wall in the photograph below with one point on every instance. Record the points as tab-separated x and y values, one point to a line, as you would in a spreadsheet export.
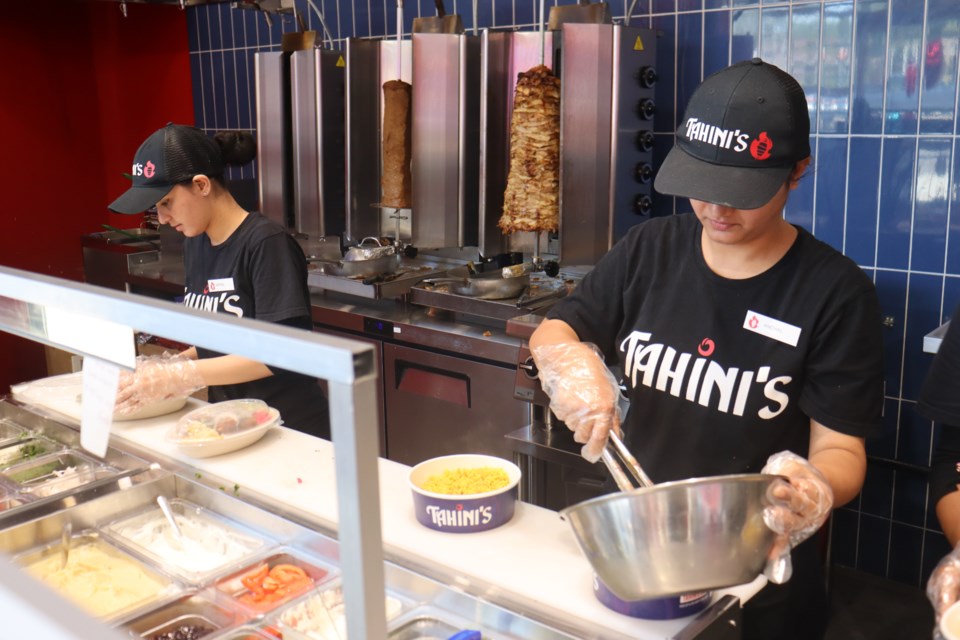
80	88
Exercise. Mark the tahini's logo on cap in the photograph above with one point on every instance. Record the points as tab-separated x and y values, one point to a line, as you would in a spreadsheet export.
146	170
735	140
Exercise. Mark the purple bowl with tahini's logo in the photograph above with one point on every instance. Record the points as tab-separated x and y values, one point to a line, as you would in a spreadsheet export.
667	608
463	513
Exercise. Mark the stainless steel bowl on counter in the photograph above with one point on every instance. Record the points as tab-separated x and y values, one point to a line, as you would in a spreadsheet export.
676	537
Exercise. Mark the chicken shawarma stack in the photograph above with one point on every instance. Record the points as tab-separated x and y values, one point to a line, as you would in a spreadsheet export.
531	199
396	181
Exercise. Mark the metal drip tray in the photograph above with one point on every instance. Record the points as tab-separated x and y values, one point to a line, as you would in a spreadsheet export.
438	297
389	286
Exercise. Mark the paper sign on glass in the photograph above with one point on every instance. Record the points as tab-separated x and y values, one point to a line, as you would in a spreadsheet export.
100	379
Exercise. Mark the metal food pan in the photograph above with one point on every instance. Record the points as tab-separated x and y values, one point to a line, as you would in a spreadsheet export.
51	554
321	613
178	557
232	590
26	449
190	610
56	472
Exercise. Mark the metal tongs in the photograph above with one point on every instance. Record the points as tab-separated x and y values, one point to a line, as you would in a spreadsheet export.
623	466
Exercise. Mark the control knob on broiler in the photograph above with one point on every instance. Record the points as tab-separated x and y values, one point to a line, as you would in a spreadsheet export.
647	77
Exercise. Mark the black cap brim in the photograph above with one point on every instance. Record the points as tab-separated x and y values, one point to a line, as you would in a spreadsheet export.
139	199
737	187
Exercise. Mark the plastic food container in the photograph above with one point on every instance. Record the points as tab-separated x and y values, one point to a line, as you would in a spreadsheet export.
10	431
270	582
100	578
667	608
322	615
191	614
55	473
223	427
26	449
467	513
210	543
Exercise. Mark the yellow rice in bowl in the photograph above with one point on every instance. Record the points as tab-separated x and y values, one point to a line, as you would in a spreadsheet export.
461	482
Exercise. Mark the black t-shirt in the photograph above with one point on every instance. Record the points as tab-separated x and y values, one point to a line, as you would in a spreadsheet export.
940	401
723	373
259	272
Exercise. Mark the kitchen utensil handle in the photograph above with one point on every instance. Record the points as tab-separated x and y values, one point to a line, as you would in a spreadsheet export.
616	470
441	10
633	467
615	453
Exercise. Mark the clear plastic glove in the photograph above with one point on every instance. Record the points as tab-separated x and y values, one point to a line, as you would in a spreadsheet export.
157	378
943	587
583	393
800	507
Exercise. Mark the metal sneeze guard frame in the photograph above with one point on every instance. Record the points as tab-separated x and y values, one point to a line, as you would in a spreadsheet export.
346	365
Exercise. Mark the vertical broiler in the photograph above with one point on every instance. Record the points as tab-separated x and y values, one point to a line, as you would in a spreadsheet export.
461	106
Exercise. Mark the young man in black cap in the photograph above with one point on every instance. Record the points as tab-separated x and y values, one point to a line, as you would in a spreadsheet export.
939	401
746	344
235	261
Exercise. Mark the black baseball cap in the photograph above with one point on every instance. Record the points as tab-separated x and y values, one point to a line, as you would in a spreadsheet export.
744	129
171	155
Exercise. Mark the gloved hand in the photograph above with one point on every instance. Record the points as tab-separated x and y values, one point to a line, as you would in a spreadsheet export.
800	506
583	393
157	378
943	587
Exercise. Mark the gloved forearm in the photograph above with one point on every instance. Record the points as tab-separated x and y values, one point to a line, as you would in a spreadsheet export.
800	505
157	378
583	393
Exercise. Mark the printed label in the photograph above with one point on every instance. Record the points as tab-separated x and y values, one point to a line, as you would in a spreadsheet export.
772	328
220	284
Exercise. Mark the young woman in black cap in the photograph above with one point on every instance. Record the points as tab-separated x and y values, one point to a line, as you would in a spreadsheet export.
746	344
236	262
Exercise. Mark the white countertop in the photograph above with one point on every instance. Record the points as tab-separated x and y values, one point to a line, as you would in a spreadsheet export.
533	560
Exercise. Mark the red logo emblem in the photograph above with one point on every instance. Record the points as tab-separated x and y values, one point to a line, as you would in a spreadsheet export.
760	148
753	322
149	170
706	347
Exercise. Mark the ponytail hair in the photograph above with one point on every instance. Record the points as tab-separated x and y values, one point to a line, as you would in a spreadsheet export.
236	147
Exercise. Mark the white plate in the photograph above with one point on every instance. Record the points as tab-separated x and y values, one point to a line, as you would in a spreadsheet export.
210	448
159	408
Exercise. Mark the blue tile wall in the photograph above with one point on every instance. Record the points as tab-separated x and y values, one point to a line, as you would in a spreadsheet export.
881	78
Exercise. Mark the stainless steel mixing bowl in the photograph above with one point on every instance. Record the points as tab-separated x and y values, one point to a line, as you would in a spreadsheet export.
676	537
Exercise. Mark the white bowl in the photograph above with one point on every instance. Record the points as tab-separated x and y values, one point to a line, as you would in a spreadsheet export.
226	444
211	439
950	622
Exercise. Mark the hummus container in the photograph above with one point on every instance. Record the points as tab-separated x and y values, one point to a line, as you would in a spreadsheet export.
223	427
467	512
100	578
667	608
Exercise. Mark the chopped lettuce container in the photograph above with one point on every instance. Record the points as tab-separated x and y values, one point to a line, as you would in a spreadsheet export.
26	449
209	544
55	473
100	578
268	582
10	431
223	427
192	615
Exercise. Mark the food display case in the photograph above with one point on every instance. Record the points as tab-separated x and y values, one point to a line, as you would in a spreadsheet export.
526	579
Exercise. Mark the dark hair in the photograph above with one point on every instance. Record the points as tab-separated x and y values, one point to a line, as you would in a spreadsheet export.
236	147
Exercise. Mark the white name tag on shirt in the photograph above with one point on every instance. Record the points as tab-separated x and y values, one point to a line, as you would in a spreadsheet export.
220	284
772	328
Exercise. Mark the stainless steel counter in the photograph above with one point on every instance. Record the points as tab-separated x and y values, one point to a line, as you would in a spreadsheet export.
390	319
